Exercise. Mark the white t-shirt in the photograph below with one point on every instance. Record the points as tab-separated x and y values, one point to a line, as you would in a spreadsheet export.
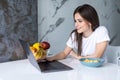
89	44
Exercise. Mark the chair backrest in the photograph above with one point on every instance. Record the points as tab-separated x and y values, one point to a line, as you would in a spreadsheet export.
112	52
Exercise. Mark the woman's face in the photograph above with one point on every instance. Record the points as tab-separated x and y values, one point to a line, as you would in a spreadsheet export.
82	25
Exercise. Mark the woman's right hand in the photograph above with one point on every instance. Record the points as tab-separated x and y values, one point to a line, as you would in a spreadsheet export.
60	55
50	58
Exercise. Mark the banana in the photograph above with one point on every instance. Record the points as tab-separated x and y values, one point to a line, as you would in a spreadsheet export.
36	45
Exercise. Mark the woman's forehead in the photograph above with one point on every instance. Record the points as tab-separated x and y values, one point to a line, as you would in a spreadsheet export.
78	16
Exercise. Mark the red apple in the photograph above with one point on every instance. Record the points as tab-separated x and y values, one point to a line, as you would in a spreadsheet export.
45	45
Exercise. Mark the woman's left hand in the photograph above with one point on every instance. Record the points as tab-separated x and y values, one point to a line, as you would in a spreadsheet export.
75	55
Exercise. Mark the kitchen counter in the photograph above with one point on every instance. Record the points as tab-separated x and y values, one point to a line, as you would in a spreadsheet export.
23	70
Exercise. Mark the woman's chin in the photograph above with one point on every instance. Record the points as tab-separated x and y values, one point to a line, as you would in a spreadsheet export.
79	31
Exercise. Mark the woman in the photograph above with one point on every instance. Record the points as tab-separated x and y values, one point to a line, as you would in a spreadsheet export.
89	38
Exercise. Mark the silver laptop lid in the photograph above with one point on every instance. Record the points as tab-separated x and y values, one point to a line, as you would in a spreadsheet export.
30	56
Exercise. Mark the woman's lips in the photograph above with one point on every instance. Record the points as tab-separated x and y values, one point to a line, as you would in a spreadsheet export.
78	28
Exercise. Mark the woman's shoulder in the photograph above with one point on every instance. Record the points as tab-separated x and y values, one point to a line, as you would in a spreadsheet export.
101	29
101	34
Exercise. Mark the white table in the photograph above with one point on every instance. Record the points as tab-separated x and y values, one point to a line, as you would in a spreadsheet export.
23	70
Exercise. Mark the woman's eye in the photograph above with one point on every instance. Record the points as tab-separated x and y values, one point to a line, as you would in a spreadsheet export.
79	20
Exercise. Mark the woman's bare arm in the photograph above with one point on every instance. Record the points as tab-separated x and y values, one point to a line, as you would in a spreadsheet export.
60	55
100	49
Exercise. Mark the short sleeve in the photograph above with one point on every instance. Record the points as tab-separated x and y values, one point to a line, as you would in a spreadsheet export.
102	34
70	41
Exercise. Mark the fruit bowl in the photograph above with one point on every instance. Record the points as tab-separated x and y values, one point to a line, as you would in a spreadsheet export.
92	62
39	50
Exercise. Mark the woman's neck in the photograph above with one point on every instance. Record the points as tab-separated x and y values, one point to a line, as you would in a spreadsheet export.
87	33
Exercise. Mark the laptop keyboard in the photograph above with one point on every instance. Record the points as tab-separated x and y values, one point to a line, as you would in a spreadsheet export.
53	66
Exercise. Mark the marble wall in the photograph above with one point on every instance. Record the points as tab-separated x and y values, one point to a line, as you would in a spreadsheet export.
55	20
18	19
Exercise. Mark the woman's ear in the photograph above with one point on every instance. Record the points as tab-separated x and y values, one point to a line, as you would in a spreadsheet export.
90	24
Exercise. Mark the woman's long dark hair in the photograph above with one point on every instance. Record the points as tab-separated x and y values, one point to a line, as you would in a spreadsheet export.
89	14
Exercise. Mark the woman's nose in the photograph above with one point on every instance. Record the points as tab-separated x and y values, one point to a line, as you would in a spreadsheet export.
76	24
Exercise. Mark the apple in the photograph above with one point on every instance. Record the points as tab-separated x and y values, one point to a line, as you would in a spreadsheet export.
45	45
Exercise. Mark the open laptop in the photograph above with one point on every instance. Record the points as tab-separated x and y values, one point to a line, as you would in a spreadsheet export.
45	66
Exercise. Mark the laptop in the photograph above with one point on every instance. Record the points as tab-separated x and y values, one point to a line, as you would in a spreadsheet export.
43	66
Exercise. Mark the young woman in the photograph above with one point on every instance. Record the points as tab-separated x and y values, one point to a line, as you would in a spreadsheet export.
89	38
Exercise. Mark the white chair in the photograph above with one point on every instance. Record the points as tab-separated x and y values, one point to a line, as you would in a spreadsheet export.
118	58
113	53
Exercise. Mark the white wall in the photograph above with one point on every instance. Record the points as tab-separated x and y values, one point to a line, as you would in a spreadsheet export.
50	11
